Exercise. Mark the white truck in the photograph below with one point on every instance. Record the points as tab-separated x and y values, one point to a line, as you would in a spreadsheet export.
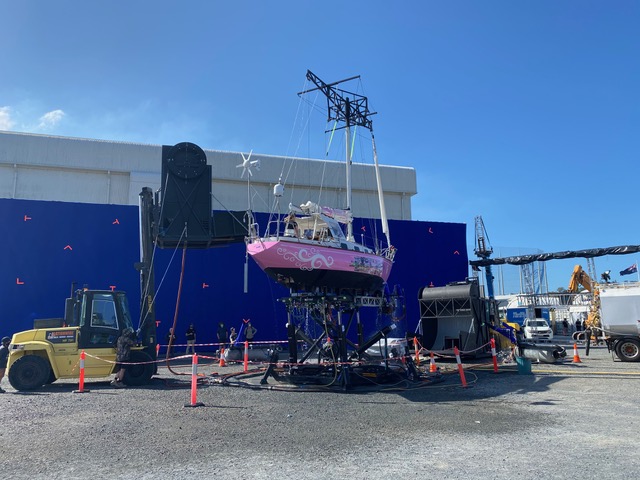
620	319
537	329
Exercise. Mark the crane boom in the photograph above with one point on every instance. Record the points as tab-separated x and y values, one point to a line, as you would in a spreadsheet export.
484	251
580	277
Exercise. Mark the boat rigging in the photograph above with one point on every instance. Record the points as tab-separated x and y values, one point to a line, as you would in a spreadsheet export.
307	249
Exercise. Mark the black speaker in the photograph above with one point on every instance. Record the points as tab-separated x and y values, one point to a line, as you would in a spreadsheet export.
185	205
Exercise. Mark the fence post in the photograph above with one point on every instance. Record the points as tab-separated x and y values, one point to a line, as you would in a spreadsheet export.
460	369
493	354
246	356
194	384
81	380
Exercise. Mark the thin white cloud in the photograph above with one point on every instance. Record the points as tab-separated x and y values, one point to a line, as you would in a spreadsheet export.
50	119
6	123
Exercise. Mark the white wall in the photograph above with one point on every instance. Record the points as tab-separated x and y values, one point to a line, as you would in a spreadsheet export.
41	167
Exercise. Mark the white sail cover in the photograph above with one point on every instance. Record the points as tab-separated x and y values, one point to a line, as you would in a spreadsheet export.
340	215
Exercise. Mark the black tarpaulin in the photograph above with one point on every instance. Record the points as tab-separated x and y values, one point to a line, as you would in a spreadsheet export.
543	257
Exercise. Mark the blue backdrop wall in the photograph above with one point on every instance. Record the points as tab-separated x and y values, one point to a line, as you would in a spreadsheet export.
49	245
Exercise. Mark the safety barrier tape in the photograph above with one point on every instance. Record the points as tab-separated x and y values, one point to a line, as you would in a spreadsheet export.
139	363
218	344
441	354
215	359
73	369
445	353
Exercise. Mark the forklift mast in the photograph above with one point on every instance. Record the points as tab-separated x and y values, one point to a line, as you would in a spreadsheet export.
147	329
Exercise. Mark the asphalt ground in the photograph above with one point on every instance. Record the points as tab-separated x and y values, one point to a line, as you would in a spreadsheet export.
568	420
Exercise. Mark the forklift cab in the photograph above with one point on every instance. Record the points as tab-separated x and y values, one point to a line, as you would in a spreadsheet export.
101	316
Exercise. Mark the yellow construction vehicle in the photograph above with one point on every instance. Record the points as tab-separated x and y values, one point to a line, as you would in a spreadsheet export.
580	277
93	321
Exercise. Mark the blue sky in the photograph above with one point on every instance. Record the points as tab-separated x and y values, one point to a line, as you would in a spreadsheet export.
524	112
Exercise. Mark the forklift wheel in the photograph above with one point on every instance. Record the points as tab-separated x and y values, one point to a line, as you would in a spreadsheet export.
141	372
29	372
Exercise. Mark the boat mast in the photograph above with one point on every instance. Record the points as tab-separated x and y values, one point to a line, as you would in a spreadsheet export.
347	105
351	109
383	210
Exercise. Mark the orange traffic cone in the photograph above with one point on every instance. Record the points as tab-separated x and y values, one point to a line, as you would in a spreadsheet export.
432	364
222	362
576	357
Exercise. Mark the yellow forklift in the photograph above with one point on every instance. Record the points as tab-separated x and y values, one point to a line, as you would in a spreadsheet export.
93	321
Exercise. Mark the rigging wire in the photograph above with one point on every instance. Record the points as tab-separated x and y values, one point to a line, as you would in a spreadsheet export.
324	164
333	130
235	219
155	294
292	157
288	159
175	315
166	271
288	163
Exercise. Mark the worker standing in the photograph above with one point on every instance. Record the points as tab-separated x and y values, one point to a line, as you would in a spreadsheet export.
191	339
233	335
171	340
4	357
250	332
123	352
222	334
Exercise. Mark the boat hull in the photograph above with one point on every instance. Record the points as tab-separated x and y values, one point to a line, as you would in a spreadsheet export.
305	266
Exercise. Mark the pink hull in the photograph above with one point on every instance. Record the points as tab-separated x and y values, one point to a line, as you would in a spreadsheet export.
306	265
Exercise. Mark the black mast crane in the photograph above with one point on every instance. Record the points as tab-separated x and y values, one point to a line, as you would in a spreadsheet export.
349	108
342	105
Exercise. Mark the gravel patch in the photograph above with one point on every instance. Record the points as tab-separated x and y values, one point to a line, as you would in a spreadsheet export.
562	421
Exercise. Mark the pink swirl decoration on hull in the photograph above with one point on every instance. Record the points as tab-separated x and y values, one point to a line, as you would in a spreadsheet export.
306	259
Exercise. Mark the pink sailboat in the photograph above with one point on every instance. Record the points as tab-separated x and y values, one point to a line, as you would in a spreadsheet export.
313	247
